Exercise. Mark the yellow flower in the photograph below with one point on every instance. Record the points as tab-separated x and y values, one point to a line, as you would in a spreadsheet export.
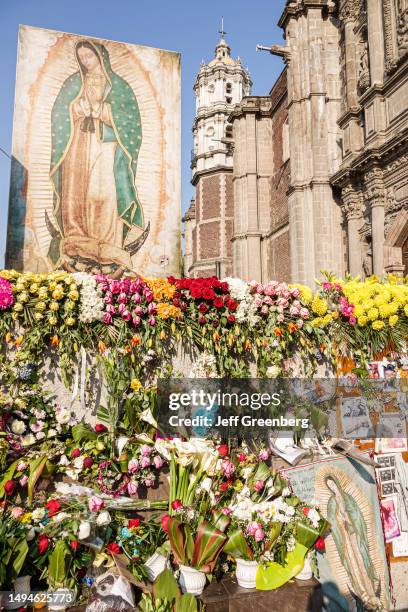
58	294
52	285
33	288
70	321
73	295
305	292
406	310
358	311
53	320
23	297
38	316
393	320
317	322
70	305
167	311
20	403
18	307
162	289
377	325
373	314
41	306
26	518
54	306
135	384
363	320
319	305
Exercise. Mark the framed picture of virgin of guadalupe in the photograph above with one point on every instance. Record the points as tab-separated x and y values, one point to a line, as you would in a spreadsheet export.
95	180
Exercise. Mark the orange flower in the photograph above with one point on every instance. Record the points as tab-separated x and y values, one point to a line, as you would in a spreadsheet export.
162	335
54	341
18	341
127	348
292	327
322	348
248	344
216	336
135	340
101	346
8	337
278	332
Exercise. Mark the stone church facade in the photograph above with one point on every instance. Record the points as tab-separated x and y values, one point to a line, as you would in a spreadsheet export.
319	167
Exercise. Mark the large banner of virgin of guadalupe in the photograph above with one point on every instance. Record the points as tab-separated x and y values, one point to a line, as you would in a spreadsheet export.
95	180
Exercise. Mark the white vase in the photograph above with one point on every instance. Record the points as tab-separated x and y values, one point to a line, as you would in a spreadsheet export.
191	580
306	573
155	565
246	573
21	586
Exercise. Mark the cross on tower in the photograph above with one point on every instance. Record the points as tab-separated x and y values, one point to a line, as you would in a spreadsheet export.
222	31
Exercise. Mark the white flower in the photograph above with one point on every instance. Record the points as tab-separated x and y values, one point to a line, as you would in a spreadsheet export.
51	433
91	305
314	516
104	518
79	463
286	492
290	511
64	460
205	366
28	440
38	514
206	485
273	371
63	416
61	516
84	530
40	435
17	427
30	534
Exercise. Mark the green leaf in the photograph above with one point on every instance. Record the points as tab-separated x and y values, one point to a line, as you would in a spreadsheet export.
7	476
237	546
208	545
58	566
186	603
165	586
273	575
19	554
82	432
36	469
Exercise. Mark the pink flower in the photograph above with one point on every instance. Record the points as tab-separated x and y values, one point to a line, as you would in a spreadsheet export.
132	488
6	294
226	511
352	320
107	318
122	298
227	468
95	504
136	321
149	482
327	286
263	454
304	313
280	318
111	309
16	512
259	485
138	311
241	457
259	535
136	298
21	466
158	462
252	527
295	292
264	310
133	466
293	311
145	450
126	316
151	309
145	462
23	480
152	321
258	302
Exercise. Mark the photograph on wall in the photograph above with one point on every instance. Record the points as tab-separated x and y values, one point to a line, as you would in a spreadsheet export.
95	179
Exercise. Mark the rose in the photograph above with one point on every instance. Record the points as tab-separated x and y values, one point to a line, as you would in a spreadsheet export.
165	522
75	453
43	543
88	462
259	485
253	527
99	428
16	512
134	523
132	488
95	504
113	548
223	450
10	487
104	518
177	505
74	544
145	450
203	308
231	318
218	302
158	462
84	530
133	466
259	535
263	455
53	506
320	546
241	457
227	468
145	462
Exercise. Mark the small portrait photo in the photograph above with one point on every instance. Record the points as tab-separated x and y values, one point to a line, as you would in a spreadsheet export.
390	520
388	488
355	418
386	474
384	461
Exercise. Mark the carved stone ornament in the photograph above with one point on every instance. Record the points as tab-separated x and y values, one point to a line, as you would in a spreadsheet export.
402	27
349	10
364	65
375	191
351	202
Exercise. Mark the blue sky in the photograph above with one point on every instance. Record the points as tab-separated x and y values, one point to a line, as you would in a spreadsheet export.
181	26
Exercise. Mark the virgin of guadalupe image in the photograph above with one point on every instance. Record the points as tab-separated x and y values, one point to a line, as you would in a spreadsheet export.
349	531
96	139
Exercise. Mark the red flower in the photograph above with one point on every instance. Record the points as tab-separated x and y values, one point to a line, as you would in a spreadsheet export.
208	294
99	428
232	305
224	486
176	504
196	293
218	302
176	302
113	548
216	324
53	506
231	318
10	487
320	545
306	511
88	462
165	522
74	544
203	308
75	453
43	543
202	320
223	450
241	457
171	280
134	523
